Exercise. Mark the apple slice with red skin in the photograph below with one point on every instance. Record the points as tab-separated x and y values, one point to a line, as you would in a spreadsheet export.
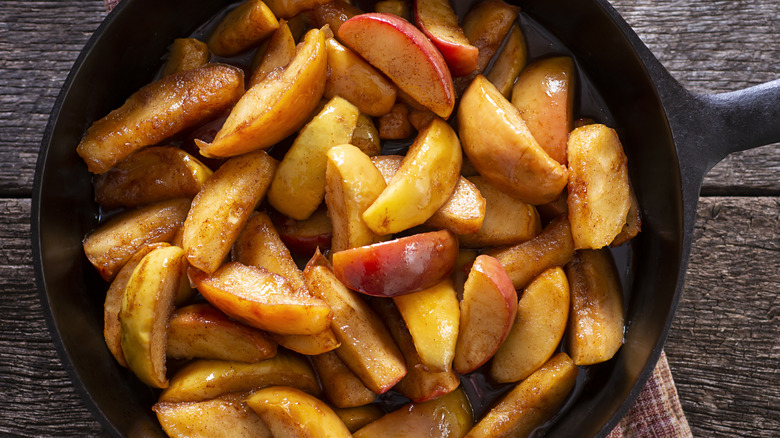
399	266
438	22
487	313
403	53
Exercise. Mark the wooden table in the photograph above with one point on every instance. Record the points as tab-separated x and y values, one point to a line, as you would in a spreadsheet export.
723	347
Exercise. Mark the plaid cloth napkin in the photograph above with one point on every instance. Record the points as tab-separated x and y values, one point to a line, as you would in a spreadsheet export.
655	413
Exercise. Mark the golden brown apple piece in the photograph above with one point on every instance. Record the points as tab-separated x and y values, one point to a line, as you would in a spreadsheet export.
463	265
599	194
304	237
596	322
114	242
298	187
420	384
544	94
333	13
151	175
275	53
524	261
243	27
507	221
487	312
438	22
509	62
147	306
397	266
223	206
206	379
420	118
366	136
340	385
395	124
405	55
277	106
185	54
432	316
352	184
290	8
223	417
159	110
552	210
203	331
448	416
510	158
400	8
289	412
352	78
262	299
541	320
633	224
424	182
531	403
366	346
359	416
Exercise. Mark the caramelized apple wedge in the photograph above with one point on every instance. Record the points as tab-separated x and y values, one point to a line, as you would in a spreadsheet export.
206	379
275	53
275	107
509	62
448	416
113	243
289	412
510	158
290	8
397	266
405	55
304	237
359	416
340	385
223	417
531	403
223	206
425	180
159	110
298	186
538	328
366	136
202	331
438	22
151	175
366	346
243	27
185	54
262	299
333	13
147	306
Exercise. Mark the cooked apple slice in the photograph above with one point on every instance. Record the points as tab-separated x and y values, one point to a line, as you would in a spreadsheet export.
333	13
424	182
202	331
448	416
398	266
112	244
420	384
159	110
366	136
352	184
206	379
420	118
366	346
147	306
405	55
552	210
531	403
544	94
395	124
596	322
599	194
463	265
438	22
509	62
633	224
507	221
151	175
298	187
341	386
262	299
242	28
223	206
309	344
387	165
541	320
304	237
277	106
359	416
290	8
275	53
112	329
487	312
510	158
433	317
185	54
223	417
352	78
524	261
400	8
289	412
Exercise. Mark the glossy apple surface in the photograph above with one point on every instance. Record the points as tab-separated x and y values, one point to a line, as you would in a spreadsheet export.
438	22
289	412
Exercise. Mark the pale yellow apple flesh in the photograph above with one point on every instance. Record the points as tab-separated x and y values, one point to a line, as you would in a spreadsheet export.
243	27
289	412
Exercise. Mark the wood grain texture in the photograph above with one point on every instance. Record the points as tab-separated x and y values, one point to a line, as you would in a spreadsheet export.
723	347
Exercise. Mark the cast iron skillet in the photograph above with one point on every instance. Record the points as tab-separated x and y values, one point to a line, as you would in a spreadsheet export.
672	137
